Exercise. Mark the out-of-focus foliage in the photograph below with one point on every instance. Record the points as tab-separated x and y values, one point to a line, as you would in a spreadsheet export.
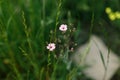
18	43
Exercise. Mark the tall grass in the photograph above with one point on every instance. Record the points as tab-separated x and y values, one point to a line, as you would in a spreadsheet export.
25	32
26	28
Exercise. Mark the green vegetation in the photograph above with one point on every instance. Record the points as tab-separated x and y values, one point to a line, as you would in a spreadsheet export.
28	26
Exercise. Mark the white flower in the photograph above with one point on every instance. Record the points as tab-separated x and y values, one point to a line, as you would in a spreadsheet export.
51	46
63	27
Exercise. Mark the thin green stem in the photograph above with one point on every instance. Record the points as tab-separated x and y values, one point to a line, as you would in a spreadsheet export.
43	24
41	73
33	59
49	59
27	34
92	25
43	9
13	62
57	18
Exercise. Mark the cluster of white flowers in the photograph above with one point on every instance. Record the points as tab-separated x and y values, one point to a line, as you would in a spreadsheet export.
51	46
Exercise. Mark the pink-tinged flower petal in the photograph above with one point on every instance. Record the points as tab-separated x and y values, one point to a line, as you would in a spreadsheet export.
63	27
51	49
51	46
47	47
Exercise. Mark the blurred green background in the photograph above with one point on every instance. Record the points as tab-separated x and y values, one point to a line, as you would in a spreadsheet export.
17	41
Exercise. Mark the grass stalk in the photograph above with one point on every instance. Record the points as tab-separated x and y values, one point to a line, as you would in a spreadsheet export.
32	60
92	24
57	18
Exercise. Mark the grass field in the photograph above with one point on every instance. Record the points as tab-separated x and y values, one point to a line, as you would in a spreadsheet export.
28	26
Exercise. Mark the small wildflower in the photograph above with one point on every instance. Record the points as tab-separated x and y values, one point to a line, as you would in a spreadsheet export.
112	16
51	46
63	27
108	10
117	14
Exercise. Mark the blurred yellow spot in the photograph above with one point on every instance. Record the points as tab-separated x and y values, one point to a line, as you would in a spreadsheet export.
108	10
117	14
112	16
